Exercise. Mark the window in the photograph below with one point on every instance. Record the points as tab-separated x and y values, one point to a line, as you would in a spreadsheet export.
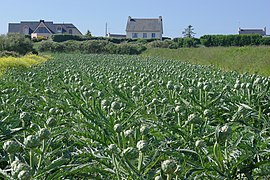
59	29
70	31
42	30
134	35
153	35
144	35
26	30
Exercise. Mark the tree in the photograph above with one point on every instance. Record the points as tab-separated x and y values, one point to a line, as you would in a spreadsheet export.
88	34
189	32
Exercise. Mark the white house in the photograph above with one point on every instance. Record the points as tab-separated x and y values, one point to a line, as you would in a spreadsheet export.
252	31
146	28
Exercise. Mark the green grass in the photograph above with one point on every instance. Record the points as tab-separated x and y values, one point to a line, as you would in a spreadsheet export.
254	60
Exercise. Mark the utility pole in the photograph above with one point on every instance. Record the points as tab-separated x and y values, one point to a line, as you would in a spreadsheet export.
106	29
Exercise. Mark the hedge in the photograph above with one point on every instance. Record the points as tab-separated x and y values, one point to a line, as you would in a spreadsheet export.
231	40
91	46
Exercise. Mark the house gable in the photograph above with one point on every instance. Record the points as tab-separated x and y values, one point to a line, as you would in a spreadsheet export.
42	29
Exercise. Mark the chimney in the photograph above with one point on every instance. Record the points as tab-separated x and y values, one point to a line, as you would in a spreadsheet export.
129	18
160	18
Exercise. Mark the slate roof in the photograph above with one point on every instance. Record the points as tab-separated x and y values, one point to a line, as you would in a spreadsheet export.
144	25
18	27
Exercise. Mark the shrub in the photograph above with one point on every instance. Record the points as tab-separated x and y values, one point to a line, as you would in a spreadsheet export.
45	46
190	42
130	49
111	48
58	47
94	46
65	37
9	53
265	41
72	46
163	44
231	40
16	42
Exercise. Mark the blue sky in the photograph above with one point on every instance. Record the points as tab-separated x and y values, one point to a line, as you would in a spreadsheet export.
206	16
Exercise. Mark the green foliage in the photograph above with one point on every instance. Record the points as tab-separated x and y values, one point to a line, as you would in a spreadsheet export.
82	116
231	40
265	41
189	32
16	42
91	47
94	46
9	53
163	44
88	34
126	48
187	42
65	37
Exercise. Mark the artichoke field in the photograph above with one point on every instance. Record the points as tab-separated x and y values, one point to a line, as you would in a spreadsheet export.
126	117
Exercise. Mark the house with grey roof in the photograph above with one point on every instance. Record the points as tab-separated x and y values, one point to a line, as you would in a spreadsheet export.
146	28
253	31
42	28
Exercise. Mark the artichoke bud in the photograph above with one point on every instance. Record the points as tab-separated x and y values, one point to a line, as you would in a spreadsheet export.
131	153
142	145
44	133
11	146
154	101
168	166
51	122
199	143
144	130
170	86
117	128
128	133
113	148
158	178
105	103
24	175
225	132
115	106
164	101
25	118
207	112
32	141
177	109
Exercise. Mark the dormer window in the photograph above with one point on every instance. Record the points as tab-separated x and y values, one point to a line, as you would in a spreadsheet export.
25	30
59	29
70	31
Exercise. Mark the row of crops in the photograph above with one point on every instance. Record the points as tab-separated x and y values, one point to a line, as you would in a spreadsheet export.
125	117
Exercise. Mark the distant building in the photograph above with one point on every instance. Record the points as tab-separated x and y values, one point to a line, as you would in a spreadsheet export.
253	31
42	28
116	36
144	28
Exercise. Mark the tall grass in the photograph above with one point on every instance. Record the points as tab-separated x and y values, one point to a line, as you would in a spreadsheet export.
255	60
21	62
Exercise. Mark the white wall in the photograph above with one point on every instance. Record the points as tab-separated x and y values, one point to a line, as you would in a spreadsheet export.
149	35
